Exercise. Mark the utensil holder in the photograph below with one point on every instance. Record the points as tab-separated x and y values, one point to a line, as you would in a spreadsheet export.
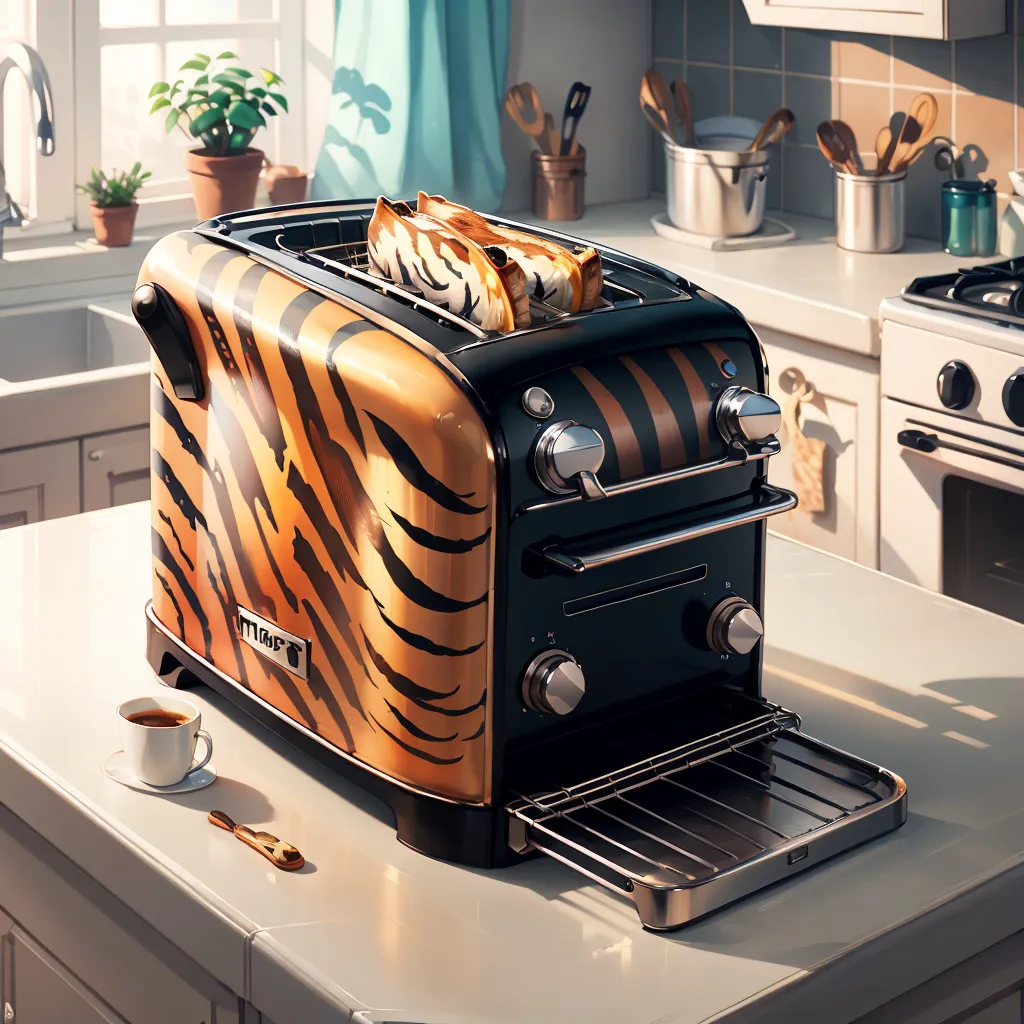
969	218
558	185
870	211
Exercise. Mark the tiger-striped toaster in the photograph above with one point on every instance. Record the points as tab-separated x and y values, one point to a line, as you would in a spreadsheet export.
510	583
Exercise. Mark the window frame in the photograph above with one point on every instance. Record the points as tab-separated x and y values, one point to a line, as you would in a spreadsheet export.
68	36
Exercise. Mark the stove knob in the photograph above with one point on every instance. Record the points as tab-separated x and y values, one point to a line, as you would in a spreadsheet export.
1013	397
553	683
955	385
745	415
734	627
566	458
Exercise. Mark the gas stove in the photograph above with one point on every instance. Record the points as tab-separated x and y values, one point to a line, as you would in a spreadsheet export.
994	291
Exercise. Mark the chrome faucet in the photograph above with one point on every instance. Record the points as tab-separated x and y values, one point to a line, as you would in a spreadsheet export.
30	64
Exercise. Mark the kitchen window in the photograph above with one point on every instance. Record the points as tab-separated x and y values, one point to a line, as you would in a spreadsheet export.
102	57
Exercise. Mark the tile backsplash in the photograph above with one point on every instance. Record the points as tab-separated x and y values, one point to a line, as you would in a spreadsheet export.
733	67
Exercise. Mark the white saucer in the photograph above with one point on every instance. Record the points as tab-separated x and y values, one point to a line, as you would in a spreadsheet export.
772	232
115	768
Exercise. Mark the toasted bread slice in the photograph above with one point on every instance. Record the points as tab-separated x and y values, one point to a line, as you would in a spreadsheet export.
566	280
436	260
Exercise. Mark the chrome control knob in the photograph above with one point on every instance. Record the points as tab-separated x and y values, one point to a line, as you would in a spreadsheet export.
566	458
734	627
553	683
745	415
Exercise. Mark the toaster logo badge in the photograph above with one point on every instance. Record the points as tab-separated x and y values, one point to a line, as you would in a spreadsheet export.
269	639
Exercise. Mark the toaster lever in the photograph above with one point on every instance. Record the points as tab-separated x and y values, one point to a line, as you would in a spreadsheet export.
158	315
590	487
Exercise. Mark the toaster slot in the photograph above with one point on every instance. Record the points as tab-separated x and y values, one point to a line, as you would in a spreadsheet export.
699	826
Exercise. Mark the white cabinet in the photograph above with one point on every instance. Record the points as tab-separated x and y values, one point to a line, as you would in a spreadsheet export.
76	955
843	413
923	19
38	989
115	468
39	483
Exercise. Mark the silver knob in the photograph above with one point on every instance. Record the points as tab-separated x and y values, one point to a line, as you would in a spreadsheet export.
745	415
734	627
553	683
566	458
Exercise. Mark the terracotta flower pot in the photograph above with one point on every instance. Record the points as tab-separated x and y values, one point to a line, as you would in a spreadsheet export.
223	184
113	225
286	184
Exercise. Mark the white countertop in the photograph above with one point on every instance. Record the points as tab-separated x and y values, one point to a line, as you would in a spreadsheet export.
930	688
808	286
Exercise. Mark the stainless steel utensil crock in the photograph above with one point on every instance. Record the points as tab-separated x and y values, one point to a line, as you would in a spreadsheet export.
870	213
716	192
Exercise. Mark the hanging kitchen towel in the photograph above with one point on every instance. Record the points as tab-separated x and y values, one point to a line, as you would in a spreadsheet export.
416	101
807	454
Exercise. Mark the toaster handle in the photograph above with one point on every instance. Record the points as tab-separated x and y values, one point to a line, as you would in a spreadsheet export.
158	315
772	501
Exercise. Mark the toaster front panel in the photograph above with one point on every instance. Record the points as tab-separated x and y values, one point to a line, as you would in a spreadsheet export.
323	521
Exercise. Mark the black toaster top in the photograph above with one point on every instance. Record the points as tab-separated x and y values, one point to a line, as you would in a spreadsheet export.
323	247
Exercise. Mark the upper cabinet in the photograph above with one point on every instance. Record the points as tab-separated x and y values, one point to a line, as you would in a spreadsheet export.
923	19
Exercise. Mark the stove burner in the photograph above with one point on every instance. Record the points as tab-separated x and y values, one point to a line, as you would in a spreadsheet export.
994	291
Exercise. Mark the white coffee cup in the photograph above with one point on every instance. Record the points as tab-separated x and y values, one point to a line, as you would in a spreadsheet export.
158	754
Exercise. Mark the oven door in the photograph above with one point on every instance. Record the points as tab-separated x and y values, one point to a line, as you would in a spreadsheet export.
952	505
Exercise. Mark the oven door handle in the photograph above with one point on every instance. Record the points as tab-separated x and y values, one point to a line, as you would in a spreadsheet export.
921	441
772	502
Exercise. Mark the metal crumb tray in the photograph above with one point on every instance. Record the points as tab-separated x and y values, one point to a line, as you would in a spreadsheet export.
695	828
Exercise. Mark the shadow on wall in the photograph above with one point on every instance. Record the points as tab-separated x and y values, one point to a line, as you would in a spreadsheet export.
731	66
371	102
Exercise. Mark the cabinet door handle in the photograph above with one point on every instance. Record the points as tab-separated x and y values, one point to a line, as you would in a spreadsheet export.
96	454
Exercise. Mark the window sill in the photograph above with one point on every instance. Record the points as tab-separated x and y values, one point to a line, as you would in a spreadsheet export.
46	268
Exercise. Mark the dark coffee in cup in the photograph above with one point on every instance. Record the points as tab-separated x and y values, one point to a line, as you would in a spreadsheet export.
157	718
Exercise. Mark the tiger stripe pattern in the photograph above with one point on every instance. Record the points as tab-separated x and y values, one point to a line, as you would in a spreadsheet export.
655	408
340	484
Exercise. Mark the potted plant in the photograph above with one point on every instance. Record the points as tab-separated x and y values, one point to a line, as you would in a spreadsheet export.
224	109
113	206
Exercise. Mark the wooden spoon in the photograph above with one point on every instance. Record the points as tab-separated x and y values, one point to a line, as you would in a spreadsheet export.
549	140
525	108
684	109
917	130
836	141
281	854
655	92
776	125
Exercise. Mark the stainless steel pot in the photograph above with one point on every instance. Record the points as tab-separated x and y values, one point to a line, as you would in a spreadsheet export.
870	213
718	192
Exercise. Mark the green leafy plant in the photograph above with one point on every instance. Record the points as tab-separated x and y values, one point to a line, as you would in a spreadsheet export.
222	105
116	189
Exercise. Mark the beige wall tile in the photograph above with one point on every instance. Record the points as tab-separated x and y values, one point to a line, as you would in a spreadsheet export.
925	63
868	61
988	124
865	108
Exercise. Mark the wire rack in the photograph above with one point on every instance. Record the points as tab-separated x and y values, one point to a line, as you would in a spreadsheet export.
728	813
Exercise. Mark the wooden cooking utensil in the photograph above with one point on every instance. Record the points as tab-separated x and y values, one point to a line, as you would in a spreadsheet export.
575	104
524	107
835	142
658	120
884	146
655	92
549	140
921	118
281	854
777	124
684	109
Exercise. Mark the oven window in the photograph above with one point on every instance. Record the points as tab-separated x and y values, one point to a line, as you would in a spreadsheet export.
983	546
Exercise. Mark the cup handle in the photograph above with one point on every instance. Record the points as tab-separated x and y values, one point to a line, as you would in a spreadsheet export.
202	734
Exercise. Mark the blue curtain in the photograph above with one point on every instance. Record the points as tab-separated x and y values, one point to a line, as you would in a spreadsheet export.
416	101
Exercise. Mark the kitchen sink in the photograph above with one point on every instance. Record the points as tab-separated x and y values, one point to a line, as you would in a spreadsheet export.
40	342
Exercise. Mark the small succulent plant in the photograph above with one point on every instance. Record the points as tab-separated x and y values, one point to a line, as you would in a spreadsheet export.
115	189
222	106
